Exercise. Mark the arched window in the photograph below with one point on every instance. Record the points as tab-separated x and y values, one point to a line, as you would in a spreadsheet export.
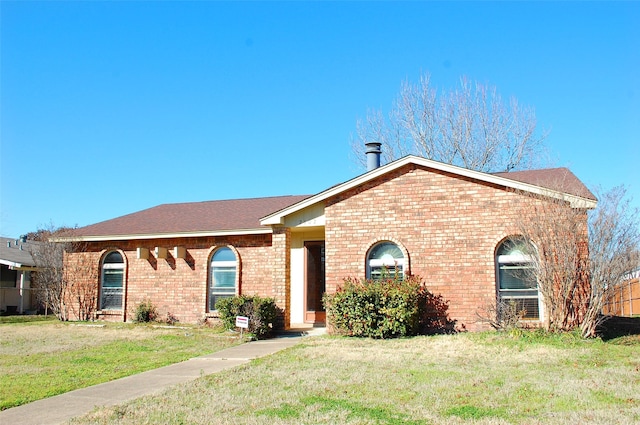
222	276
385	259
112	281
516	279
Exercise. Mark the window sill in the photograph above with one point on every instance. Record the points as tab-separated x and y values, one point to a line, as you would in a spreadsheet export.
109	313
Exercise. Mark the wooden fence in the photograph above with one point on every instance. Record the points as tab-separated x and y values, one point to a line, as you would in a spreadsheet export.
624	299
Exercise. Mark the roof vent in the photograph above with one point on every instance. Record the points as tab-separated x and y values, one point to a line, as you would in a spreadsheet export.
373	155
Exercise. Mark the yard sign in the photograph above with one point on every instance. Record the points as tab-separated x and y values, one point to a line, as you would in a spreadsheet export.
242	322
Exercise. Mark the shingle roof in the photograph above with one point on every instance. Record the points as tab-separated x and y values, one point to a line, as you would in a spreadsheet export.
556	183
243	215
191	217
560	179
16	252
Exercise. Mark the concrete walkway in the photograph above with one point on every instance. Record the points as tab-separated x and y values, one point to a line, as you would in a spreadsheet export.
61	408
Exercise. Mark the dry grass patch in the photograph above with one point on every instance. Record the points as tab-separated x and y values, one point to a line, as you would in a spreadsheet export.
41	359
47	337
466	378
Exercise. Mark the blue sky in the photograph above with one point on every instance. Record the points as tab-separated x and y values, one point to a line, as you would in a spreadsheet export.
108	108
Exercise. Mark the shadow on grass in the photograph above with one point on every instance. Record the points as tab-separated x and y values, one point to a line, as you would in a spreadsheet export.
616	327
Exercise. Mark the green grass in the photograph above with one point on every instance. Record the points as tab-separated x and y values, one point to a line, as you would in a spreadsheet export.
26	319
466	411
41	358
487	378
351	410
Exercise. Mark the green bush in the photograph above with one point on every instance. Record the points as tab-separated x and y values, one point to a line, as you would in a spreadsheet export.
146	312
386	308
262	313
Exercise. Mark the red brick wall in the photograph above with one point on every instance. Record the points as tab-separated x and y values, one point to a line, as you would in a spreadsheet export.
81	297
179	286
282	271
449	225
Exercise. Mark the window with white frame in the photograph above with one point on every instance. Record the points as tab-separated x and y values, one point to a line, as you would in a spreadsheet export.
222	276
516	280
112	281
385	259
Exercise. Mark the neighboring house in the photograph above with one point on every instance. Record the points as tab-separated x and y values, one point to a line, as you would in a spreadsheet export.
16	268
443	223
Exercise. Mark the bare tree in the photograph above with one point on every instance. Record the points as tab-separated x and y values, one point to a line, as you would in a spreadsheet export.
471	127
614	250
48	280
577	255
80	278
558	257
69	292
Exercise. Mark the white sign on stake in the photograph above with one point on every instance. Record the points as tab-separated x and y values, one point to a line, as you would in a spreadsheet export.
242	322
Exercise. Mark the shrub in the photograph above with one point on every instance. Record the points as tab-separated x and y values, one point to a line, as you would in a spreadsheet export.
262	313
146	312
505	315
386	308
170	319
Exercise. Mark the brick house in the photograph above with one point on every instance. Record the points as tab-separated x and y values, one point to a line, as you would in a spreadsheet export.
443	223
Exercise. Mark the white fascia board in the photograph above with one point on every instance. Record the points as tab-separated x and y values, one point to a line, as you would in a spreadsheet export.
574	200
277	218
11	264
235	232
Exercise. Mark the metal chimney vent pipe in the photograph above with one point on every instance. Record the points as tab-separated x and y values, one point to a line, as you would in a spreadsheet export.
373	155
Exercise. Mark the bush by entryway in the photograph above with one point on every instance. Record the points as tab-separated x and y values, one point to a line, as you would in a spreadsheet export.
262	313
386	308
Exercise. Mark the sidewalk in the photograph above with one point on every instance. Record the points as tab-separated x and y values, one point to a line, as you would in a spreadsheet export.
61	408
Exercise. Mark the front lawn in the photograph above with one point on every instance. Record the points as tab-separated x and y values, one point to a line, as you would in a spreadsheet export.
485	378
42	358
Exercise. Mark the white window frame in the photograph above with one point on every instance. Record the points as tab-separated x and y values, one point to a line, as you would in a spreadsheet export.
112	266
224	292
520	261
376	265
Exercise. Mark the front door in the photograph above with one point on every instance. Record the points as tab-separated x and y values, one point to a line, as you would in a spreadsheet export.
314	282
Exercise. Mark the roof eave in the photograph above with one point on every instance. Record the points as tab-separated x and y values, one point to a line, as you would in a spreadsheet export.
277	218
11	264
147	236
